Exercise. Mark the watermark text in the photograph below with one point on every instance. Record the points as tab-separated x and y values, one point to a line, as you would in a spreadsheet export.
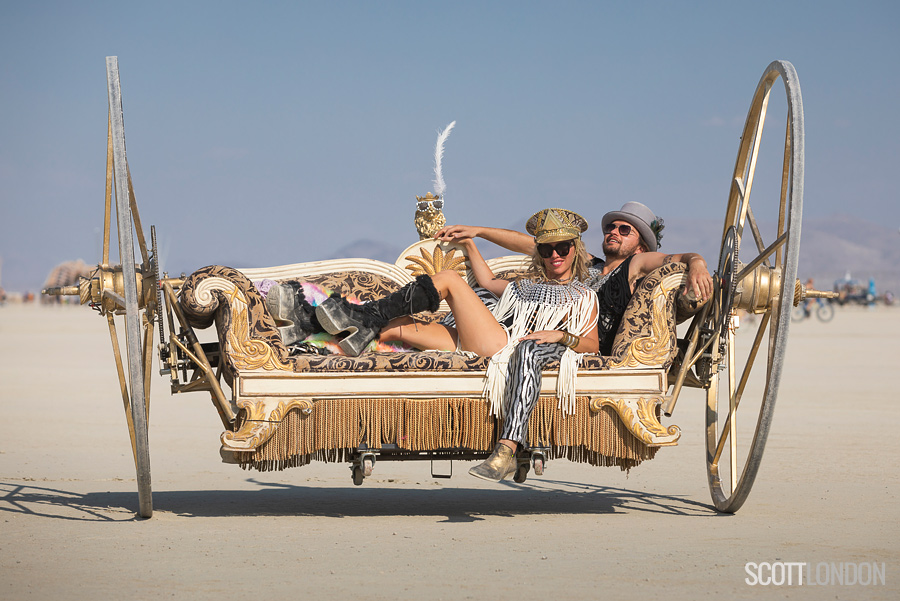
804	573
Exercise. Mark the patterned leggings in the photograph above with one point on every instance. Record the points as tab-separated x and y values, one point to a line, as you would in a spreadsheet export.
523	386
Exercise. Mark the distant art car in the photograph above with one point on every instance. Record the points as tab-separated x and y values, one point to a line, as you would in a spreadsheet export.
852	292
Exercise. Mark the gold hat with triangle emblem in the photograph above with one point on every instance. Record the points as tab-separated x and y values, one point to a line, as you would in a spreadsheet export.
553	225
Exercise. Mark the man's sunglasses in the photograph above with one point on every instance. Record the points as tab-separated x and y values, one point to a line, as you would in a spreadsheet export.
562	249
424	205
624	229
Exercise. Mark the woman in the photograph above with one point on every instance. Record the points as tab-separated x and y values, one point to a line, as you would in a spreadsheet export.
549	304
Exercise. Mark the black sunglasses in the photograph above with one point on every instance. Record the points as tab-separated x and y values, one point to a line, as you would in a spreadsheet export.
562	249
624	229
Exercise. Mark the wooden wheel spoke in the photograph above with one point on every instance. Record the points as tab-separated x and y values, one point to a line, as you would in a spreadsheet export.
732	409
743	198
765	254
735	400
139	231
757	237
785	178
749	170
113	296
123	382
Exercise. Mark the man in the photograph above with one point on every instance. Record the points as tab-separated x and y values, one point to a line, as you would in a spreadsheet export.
631	238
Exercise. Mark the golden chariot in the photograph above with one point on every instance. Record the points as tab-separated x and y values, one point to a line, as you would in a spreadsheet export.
279	410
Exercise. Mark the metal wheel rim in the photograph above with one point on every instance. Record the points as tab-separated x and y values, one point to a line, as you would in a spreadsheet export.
137	367
777	316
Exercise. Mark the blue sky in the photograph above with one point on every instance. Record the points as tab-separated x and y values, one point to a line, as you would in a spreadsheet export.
277	132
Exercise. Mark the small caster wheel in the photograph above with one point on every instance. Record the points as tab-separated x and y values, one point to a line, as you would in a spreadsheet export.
368	464
521	473
358	475
538	466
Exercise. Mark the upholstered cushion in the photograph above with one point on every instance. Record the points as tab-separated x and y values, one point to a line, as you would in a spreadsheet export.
201	302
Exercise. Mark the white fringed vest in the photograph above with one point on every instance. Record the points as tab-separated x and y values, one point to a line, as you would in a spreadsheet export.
536	306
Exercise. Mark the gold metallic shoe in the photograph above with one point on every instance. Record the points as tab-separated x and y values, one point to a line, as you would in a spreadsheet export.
500	465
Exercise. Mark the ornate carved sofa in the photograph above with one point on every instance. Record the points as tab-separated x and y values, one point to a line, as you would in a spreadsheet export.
289	410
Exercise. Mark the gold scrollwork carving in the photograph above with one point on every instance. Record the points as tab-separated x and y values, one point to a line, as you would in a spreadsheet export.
639	416
652	350
430	264
245	352
260	423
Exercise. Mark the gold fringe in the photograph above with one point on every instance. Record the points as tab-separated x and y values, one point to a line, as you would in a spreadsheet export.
337	427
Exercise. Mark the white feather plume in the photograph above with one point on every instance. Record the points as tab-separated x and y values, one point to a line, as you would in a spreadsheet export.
439	185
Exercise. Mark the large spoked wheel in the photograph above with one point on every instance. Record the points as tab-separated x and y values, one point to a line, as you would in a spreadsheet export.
756	276
139	300
126	290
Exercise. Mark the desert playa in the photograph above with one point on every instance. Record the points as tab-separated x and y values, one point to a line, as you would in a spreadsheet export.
827	493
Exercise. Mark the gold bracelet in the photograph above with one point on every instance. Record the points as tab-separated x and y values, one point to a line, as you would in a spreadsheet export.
569	340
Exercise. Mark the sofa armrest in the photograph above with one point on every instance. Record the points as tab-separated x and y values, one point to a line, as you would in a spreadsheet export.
647	336
247	332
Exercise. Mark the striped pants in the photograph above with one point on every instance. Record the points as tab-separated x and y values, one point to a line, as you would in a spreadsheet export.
523	385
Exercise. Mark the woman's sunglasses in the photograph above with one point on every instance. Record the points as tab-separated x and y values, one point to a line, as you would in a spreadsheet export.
424	205
624	229
562	249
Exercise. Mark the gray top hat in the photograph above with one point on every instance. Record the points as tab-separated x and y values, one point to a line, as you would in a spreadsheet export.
639	216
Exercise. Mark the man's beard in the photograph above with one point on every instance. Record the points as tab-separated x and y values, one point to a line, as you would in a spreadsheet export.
616	252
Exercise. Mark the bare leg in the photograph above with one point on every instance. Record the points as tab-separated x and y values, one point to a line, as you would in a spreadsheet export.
509	443
476	328
424	336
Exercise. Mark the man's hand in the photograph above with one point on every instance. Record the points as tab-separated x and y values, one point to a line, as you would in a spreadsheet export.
457	232
698	279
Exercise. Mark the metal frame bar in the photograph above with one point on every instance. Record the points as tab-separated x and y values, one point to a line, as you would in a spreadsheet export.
210	378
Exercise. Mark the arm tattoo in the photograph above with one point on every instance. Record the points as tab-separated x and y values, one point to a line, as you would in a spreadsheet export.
668	259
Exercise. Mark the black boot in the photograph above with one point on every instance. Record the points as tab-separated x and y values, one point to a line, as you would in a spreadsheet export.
295	317
365	322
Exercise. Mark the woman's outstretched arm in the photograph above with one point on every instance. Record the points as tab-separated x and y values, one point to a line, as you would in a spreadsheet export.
482	272
508	239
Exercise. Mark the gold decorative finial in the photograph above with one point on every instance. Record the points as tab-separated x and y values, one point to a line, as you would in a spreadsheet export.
429	215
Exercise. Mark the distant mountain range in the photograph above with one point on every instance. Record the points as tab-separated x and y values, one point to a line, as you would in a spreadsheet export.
830	248
370	249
